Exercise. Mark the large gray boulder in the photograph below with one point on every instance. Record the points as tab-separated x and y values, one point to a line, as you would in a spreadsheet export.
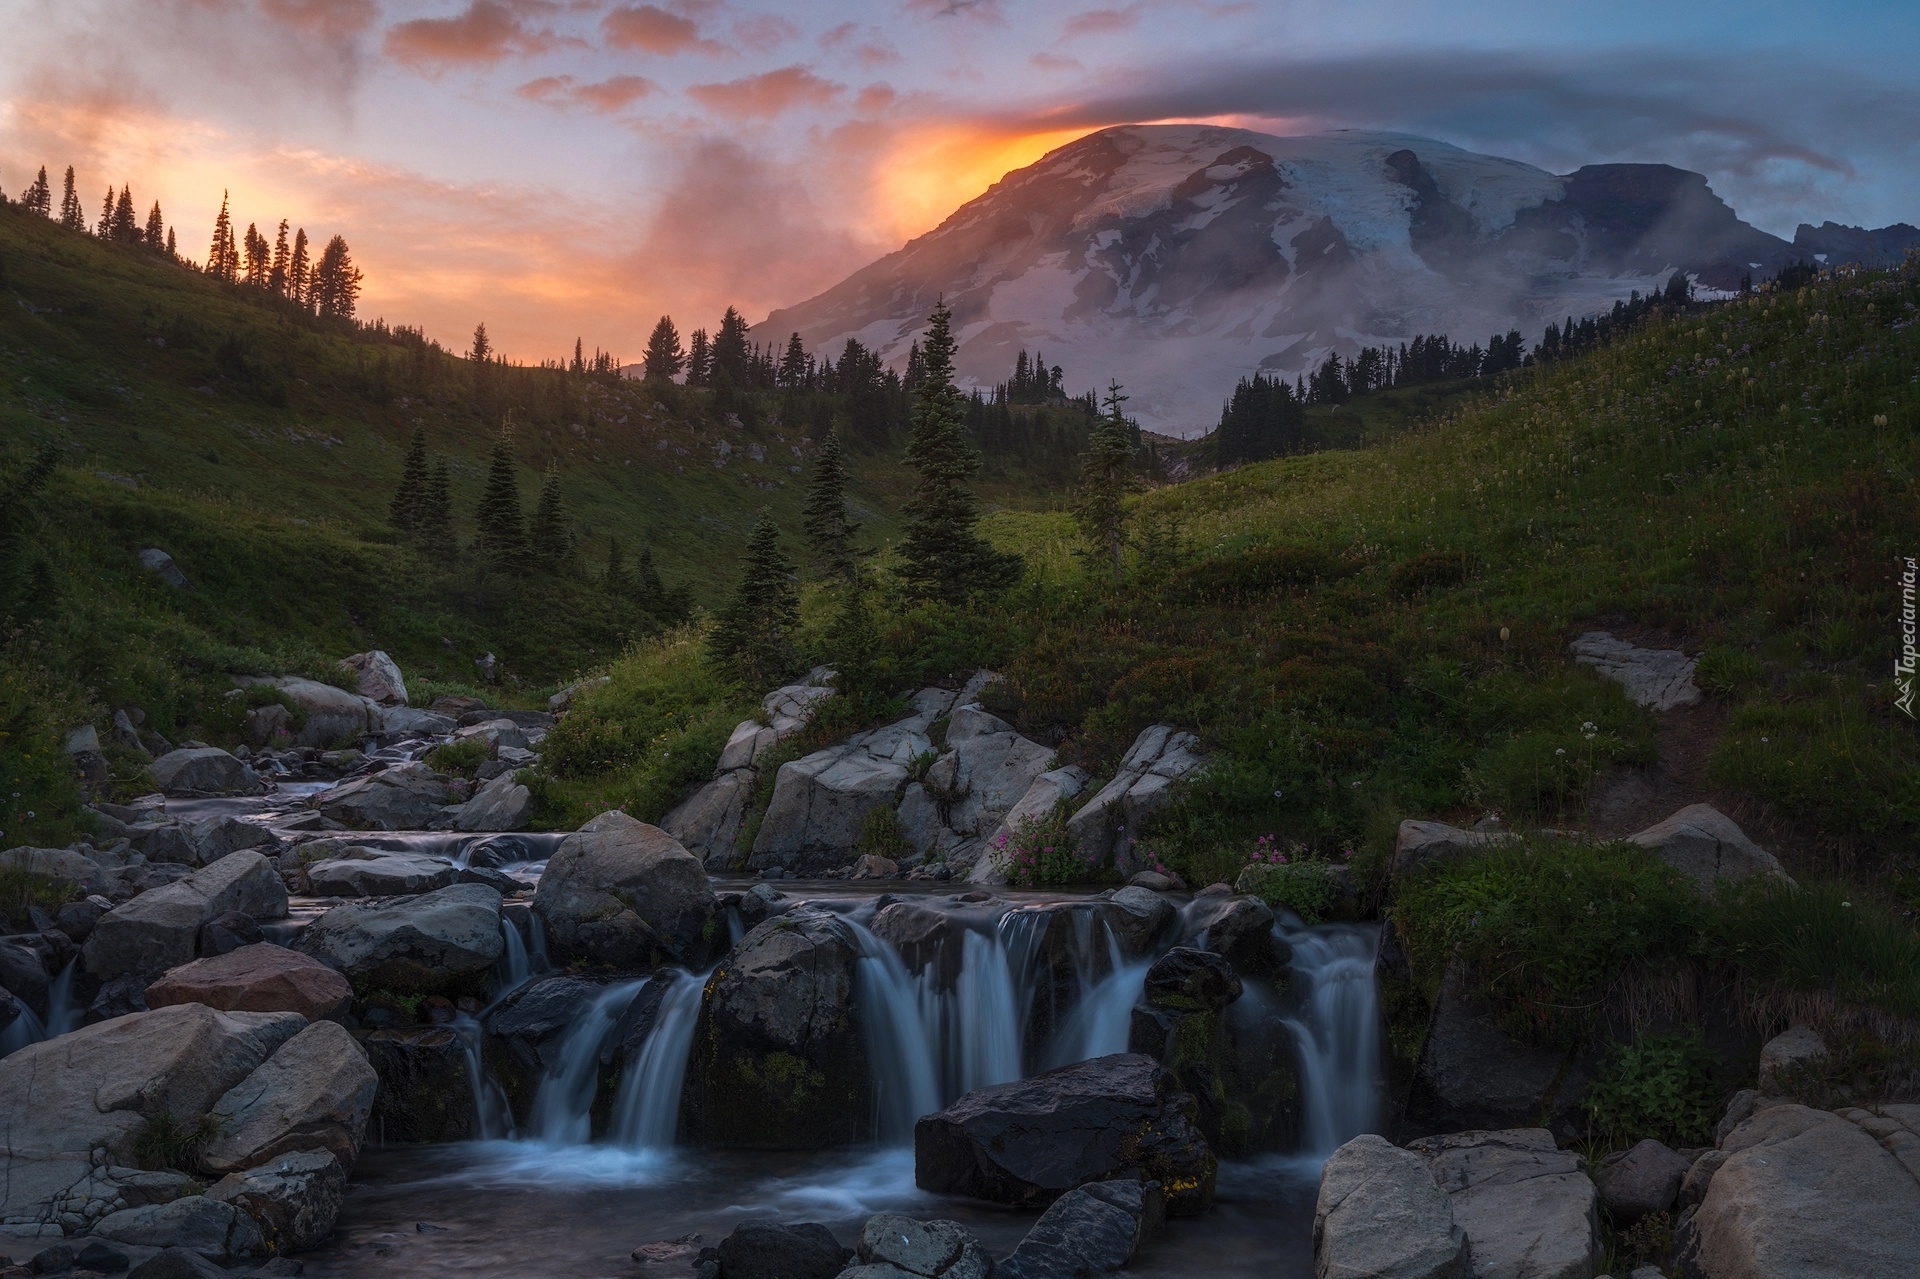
1105	826
1706	845
203	770
1048	791
709	821
821	801
61	864
502	804
380	875
294	1199
261	978
314	1093
1029	1142
779	1059
1380	1216
1137	917
626	895
215	837
1528	1208
218	1231
993	769
1643	1179
1473	1075
160	928
405	798
100	1086
1421	843
1806	1192
378	677
1787	1053
1239	927
332	715
439	941
1657	678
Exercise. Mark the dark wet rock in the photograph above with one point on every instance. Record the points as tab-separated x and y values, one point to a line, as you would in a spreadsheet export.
1137	916
217	1231
426	1092
626	895
295	1198
531	1022
1192	980
117	998
934	1249
769	1250
1237	928
259	978
1473	1075
77	919
160	929
228	932
1645	1179
177	1263
100	1258
922	936
405	798
203	770
779	1060
434	943
382	875
24	976
52	1261
1089	1231
1027	1143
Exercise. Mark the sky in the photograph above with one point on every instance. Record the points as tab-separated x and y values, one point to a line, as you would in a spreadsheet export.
563	168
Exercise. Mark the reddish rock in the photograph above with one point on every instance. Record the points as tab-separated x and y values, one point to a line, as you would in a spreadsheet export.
261	978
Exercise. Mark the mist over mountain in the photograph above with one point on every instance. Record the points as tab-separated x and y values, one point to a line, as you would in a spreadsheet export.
1179	258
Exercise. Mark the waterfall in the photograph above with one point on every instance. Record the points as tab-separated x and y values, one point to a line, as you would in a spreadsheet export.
1335	1025
516	961
563	1108
1102	1016
26	1028
63	1015
648	1112
492	1116
900	1051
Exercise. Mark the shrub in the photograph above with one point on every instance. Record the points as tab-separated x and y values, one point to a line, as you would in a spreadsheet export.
22	890
1249	576
168	1144
1428	571
1823	951
1040	853
881	835
1726	671
1307	888
1660	1086
459	757
1546	927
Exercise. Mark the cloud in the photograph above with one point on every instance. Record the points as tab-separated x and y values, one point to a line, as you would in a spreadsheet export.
488	31
1103	21
872	51
767	95
604	96
1055	62
651	29
764	33
987	11
331	18
875	98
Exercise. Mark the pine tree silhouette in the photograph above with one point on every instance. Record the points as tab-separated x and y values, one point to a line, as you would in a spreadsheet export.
223	257
408	510
299	269
549	540
943	555
172	251
1106	477
502	535
335	288
39	196
616	580
752	638
435	529
155	236
652	589
827	524
664	358
282	262
793	365
104	228
125	228
70	215
699	359
259	258
730	354
855	645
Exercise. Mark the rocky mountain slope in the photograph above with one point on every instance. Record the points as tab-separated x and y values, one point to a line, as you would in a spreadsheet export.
1178	258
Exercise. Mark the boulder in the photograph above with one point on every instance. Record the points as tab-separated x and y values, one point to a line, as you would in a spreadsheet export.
769	1250
934	1249
100	1086
378	677
1645	1179
220	1232
77	919
405	798
1046	793
440	941
532	1021
1104	826
1380	1216
1528	1209
1137	917
160	928
562	702
228	932
59	864
1706	845
426	1088
168	844
265	723
708	822
779	1059
994	767
873	866
1029	1142
24	976
1089	1231
332	714
1237	927
789	707
502	804
178	1263
1191	980
408	721
1807	1192
161	565
294	1199
385	875
1471	1074
1658	678
263	978
314	1093
821	801
215	837
626	895
1421	844
1786	1054
203	770
749	741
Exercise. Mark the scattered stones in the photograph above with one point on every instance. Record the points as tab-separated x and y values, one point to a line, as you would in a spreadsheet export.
203	770
1029	1142
256	979
160	928
1645	1179
1159	756
382	875
1528	1208
768	1250
436	942
379	677
934	1249
624	894
314	1093
1658	678
1090	1231
218	1231
502	804
872	866
1705	844
1381	1216
1786	1053
294	1199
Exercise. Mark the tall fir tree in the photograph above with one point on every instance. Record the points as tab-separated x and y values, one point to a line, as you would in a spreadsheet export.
282	262
125	228
617	580
335	288
752	638
435	529
943	555
502	531
299	268
71	216
173	250
854	645
828	525
548	539
1106	477
647	577
223	257
407	512
579	356
699	359
730	354
155	236
664	358
793	365
258	257
104	228
39	196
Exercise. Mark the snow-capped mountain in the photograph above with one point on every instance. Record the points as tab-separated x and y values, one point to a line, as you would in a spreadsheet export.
1176	259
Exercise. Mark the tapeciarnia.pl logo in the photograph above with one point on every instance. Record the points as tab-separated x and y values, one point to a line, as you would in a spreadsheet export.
1903	665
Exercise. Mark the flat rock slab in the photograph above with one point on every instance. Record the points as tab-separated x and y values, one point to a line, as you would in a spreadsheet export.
262	978
387	875
1658	678
1706	845
1528	1208
1380	1216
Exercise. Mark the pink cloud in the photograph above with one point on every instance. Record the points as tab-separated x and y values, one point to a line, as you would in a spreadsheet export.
765	96
764	33
874	99
323	17
871	52
604	96
651	29
1055	62
987	11
487	32
1102	21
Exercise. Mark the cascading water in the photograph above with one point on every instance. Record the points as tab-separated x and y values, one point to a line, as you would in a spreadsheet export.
1103	1014
648	1112
563	1108
63	1015
493	1117
1335	1023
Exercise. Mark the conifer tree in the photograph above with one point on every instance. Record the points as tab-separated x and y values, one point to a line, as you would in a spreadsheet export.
172	251
652	589
1106	477
155	236
299	268
579	357
502	535
730	355
335	288
853	645
828	525
39	196
548	539
616	580
482	350
943	555
104	228
408	510
699	359
282	262
664	358
223	258
70	215
753	635
435	529
125	226
793	365
259	257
